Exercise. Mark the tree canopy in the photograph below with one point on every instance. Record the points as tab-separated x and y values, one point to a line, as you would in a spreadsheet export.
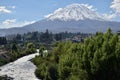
97	58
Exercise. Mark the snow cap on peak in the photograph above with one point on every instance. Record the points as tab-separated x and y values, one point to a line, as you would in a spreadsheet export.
75	12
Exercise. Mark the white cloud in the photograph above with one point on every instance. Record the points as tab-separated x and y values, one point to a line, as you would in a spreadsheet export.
3	9
25	23
6	9
89	7
109	16
9	23
47	16
116	6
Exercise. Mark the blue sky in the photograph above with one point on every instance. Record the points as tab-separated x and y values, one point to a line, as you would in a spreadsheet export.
15	13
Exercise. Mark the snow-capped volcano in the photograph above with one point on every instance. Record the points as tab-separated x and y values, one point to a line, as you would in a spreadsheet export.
72	18
74	12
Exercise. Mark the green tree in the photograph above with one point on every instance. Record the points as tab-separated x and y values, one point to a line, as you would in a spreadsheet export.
3	41
97	58
30	48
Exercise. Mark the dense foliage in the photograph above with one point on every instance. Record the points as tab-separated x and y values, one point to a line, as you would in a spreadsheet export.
3	40
97	58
